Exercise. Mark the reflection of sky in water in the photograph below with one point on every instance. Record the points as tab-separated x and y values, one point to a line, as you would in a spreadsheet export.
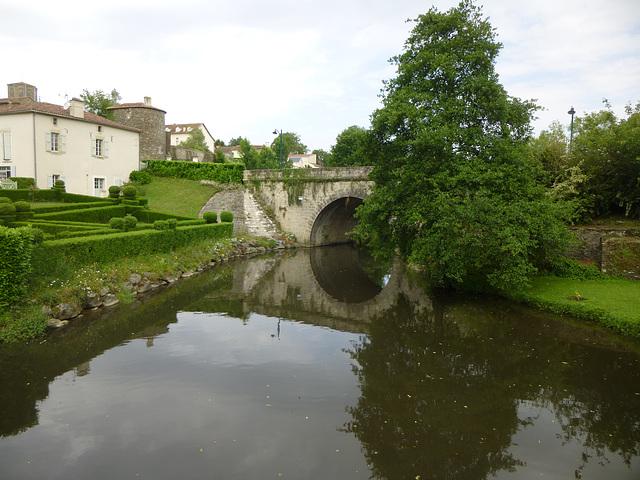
213	396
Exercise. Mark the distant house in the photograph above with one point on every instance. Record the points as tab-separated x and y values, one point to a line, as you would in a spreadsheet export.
50	142
233	153
180	132
304	160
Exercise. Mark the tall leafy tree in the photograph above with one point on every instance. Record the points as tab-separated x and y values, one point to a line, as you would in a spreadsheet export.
98	102
455	184
291	143
350	148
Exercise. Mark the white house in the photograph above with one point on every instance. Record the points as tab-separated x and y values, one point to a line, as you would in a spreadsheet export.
303	160
180	132
48	142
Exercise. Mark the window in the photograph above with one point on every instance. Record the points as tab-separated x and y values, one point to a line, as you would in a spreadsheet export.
56	142
6	172
99	128
55	121
5	145
99	186
52	179
99	148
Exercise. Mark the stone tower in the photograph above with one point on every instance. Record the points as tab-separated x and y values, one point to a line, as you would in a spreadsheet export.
22	89
150	121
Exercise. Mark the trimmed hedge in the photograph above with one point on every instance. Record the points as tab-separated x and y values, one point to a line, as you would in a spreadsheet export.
24	182
210	217
38	209
49	196
226	217
150	216
16	246
96	215
219	172
53	227
51	254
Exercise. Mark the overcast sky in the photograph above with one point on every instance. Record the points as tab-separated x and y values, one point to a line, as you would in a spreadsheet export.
247	67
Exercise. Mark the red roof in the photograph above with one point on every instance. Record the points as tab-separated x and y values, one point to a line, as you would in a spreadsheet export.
134	105
10	106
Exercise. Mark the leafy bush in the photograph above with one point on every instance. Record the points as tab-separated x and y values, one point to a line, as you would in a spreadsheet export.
7	212
130	192
57	254
22	206
130	222
210	217
114	191
97	215
24	182
161	225
140	176
5	200
226	217
173	223
59	189
150	216
16	245
117	223
223	173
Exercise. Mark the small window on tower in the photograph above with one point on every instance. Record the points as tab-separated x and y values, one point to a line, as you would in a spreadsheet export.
99	128
55	121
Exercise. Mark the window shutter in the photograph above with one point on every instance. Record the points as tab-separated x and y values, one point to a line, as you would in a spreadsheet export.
49	181
47	139
63	143
6	146
13	171
105	146
93	147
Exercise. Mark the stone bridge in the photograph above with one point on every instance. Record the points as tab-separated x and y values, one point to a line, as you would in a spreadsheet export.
316	205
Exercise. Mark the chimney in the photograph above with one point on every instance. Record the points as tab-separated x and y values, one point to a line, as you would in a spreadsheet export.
147	101
76	108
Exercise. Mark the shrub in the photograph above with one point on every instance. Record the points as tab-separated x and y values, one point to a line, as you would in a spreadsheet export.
210	217
16	245
95	215
114	191
223	173
59	189
173	223
130	222
130	192
5	200
7	212
140	176
24	182
150	216
226	217
22	206
117	223
161	225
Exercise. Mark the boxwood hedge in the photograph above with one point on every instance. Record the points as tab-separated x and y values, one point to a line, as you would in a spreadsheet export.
219	172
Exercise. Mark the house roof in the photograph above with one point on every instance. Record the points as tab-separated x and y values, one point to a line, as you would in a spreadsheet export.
15	105
182	128
135	105
233	148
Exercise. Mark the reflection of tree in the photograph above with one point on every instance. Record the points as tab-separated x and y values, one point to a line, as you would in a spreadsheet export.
440	393
431	406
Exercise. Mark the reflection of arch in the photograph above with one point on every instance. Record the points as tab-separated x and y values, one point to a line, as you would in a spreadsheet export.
339	273
335	218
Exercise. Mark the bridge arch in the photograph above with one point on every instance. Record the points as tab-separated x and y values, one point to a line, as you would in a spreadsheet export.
335	218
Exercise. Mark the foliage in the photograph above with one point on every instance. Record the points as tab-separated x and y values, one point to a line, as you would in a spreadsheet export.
236	141
130	192
24	182
321	156
291	143
5	200
226	217
98	102
210	217
219	157
455	185
223	173
16	245
196	141
54	255
140	176
350	148
114	191
117	223
253	159
97	214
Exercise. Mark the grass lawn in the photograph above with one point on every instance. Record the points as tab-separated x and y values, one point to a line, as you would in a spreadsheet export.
177	195
612	301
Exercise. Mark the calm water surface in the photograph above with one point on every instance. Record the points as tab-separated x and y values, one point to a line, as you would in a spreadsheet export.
320	364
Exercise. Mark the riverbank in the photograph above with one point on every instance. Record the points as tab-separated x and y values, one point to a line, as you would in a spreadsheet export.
614	302
53	302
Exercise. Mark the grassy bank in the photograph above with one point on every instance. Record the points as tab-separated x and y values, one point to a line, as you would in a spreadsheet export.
614	302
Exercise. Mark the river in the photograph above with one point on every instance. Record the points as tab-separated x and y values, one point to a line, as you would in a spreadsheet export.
320	364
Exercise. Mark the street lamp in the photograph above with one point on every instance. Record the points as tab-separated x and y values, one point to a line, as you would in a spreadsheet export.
571	112
276	132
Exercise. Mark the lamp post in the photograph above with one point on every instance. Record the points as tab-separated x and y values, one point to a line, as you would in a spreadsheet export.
571	112
276	132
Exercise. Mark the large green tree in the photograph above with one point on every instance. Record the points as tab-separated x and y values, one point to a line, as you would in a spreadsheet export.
456	188
350	148
291	143
98	102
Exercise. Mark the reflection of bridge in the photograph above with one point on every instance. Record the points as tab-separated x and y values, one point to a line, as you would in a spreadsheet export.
317	205
326	287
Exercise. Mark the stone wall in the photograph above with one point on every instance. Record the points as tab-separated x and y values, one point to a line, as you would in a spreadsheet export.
190	154
337	173
150	121
615	251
